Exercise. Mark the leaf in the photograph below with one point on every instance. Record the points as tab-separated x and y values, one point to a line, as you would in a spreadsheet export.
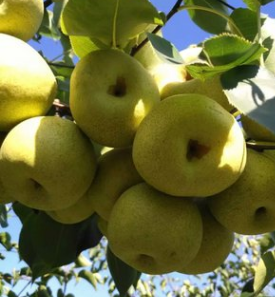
5	240
253	4
45	244
3	216
268	37
113	22
264	272
231	49
225	52
247	22
266	242
165	49
49	27
123	275
251	89
201	18
88	276
82	45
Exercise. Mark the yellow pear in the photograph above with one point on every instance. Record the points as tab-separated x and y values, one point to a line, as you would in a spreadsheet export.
248	206
255	130
116	173
110	94
27	84
210	87
4	197
154	232
47	163
217	243
189	145
76	213
21	18
163	72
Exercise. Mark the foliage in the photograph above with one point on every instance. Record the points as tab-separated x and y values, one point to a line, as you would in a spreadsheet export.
241	53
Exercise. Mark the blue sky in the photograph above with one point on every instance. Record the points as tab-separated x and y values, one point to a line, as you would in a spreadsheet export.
181	32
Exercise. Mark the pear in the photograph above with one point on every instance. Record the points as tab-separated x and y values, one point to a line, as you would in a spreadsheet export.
210	87
248	206
255	130
217	243
28	86
115	174
4	197
76	213
154	232
163	71
47	163
21	18
110	94
189	145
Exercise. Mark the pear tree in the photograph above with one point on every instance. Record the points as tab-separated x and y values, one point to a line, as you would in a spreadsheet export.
131	163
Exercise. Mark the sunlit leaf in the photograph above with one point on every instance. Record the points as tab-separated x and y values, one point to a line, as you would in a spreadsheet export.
88	276
225	52
247	22
264	271
252	90
268	37
49	27
82	45
114	22
201	18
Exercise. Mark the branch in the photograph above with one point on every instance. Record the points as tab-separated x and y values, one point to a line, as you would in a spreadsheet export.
172	12
227	5
47	3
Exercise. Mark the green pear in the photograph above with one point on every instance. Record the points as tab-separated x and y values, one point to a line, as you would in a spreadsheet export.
115	173
110	94
4	197
189	145
248	206
163	72
154	232
210	87
47	163
76	213
28	86
102	225
217	243
21	18
255	130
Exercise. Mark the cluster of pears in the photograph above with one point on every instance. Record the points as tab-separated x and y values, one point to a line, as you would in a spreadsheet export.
177	180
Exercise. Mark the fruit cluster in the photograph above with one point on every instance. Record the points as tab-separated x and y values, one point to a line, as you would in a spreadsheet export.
177	180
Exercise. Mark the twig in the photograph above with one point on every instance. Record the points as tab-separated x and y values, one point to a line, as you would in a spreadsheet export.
226	4
47	3
173	11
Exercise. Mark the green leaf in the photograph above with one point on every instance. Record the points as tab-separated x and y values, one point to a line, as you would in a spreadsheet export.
253	4
88	276
266	242
231	49
45	244
247	22
201	18
49	27
123	275
165	49
225	52
82	45
5	240
264	272
3	216
268	37
113	22
251	89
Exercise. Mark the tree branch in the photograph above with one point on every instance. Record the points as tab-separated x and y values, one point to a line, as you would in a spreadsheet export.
173	11
47	3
